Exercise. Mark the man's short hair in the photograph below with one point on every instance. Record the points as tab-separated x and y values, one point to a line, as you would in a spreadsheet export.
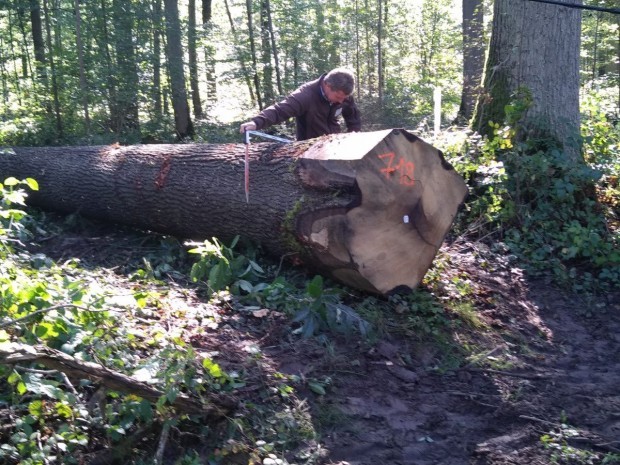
341	79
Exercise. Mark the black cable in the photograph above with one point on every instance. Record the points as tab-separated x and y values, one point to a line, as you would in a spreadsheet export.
582	7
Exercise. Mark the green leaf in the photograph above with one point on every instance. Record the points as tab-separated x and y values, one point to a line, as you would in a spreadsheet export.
172	394
146	412
33	184
315	287
11	181
21	388
14	378
316	387
213	368
64	410
245	285
36	408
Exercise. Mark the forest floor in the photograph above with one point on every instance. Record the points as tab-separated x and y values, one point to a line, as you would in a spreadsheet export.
534	379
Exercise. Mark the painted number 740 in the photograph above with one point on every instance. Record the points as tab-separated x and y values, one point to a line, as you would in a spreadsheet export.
404	168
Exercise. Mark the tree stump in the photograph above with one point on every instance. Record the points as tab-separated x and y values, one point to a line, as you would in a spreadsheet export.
368	209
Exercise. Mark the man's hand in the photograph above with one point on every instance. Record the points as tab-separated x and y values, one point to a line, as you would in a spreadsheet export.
249	126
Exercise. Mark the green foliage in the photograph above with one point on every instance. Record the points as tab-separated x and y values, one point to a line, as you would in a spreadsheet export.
424	315
545	206
563	451
321	310
316	310
11	227
221	269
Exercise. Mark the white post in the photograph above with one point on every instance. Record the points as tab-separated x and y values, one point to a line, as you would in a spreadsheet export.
437	99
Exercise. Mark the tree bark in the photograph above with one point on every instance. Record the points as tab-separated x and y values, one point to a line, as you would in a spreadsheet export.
174	51
80	51
55	91
126	109
256	78
266	52
38	42
367	209
534	53
473	56
194	83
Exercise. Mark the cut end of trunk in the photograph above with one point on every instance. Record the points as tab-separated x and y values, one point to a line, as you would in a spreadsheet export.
408	196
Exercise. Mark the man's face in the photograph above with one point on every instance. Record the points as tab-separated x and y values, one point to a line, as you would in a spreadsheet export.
334	96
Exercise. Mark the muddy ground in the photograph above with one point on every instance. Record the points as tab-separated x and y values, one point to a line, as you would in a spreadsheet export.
536	382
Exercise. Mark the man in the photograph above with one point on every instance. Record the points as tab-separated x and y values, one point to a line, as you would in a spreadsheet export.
316	107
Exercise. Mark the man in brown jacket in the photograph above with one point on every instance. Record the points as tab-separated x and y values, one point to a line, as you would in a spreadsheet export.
316	107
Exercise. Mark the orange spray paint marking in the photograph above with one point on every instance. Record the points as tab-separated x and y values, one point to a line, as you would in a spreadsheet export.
163	173
404	167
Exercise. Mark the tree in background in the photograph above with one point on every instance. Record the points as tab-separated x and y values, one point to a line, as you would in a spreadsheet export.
209	50
533	64
193	59
125	107
473	56
174	51
401	50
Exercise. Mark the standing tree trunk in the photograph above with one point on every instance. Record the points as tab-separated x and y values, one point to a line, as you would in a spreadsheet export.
357	47
244	68
25	55
209	52
368	209
193	59
111	79
248	5
83	83
370	67
156	89
38	43
56	98
126	106
473	56
534	53
174	51
266	52
274	49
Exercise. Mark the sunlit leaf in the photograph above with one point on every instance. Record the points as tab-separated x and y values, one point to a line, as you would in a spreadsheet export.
32	184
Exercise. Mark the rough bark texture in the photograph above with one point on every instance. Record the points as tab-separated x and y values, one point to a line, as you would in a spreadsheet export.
535	46
369	209
174	53
473	55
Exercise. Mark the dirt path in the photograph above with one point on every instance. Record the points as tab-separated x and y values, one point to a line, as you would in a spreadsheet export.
563	369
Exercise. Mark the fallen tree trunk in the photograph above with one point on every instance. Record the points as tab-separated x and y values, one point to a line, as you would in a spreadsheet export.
368	209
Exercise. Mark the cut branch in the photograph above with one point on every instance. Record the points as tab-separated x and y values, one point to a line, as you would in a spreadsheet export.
13	353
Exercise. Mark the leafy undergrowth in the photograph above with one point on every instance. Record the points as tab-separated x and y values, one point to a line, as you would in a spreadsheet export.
136	304
285	369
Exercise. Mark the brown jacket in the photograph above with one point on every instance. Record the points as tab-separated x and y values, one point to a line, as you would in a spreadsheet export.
313	113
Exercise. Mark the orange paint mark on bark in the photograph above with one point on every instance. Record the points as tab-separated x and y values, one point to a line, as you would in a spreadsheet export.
163	173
